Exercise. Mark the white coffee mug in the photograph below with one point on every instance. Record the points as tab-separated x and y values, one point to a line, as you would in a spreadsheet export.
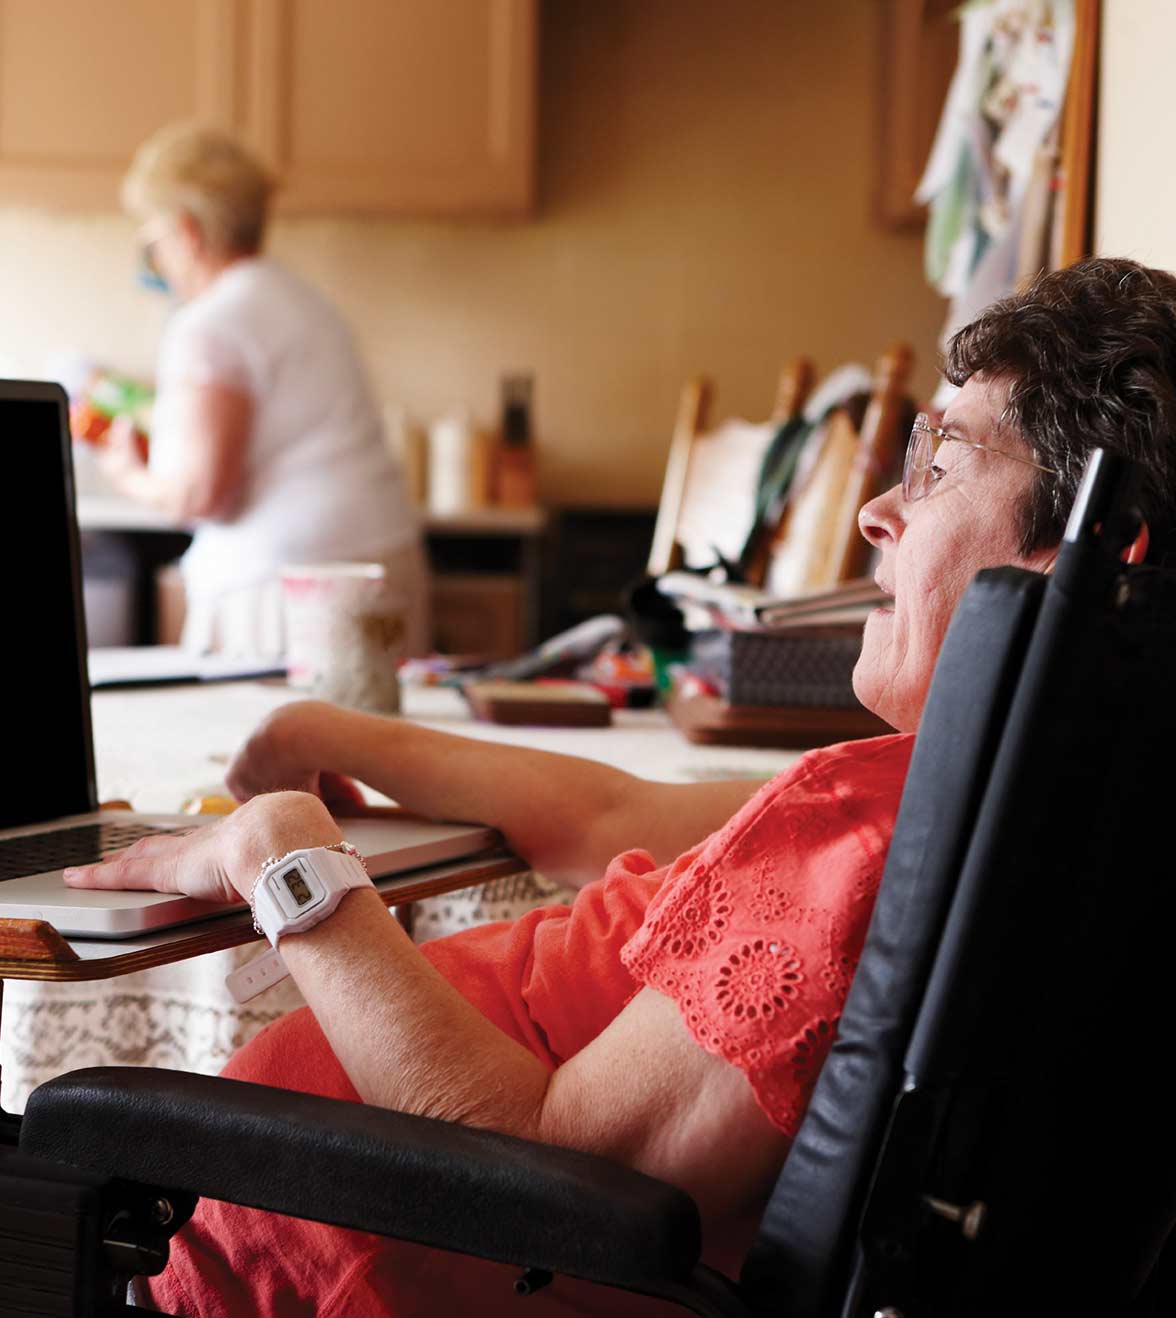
346	626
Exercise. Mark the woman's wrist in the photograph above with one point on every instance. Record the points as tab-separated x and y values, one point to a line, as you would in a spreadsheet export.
273	825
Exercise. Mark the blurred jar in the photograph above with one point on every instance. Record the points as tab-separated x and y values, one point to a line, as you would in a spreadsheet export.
459	466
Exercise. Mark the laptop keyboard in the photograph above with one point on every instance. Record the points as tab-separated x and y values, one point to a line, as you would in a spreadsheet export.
81	845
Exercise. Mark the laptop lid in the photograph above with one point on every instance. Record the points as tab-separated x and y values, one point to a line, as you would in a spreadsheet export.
48	767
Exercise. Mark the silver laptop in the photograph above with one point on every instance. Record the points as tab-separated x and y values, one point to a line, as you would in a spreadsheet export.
48	799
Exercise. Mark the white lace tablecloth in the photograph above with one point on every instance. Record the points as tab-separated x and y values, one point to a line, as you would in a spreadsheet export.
156	747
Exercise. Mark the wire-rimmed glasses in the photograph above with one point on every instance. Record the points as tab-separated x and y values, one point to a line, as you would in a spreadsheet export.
920	475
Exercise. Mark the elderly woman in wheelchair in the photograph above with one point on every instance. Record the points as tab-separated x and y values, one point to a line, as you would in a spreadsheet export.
675	1017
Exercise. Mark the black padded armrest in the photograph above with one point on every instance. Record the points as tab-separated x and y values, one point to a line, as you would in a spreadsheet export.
413	1178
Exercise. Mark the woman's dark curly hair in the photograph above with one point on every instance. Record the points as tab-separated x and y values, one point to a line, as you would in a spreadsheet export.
1090	356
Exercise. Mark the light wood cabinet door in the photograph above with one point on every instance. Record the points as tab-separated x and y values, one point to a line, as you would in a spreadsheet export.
418	107
83	82
422	107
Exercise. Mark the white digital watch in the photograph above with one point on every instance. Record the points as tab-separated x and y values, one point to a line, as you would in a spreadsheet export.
293	893
297	891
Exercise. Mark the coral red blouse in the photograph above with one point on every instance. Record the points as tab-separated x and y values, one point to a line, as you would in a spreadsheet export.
754	933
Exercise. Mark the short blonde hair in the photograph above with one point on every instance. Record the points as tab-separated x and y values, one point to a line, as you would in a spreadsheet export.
204	172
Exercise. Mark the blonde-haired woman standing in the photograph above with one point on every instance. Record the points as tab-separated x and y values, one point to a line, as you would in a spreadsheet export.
265	434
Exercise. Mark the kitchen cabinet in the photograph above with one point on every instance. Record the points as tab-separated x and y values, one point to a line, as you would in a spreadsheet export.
423	107
81	85
486	571
593	556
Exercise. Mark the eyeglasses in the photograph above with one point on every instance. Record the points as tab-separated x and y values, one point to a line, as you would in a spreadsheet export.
920	475
148	259
151	234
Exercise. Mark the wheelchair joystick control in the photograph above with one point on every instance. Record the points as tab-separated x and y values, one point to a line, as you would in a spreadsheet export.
162	1211
534	1279
971	1219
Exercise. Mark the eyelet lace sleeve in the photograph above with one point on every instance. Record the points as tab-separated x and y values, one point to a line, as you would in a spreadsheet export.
756	937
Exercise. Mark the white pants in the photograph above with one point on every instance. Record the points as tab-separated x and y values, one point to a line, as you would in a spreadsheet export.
248	621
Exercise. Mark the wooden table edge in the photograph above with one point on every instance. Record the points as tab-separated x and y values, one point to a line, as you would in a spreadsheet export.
49	957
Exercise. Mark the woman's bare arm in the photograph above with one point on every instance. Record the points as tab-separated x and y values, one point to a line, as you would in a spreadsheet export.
642	1093
215	424
565	815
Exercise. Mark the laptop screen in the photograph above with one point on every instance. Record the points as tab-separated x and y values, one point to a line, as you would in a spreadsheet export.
46	769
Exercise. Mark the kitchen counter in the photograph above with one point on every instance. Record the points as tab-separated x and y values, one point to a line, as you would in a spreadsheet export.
111	512
486	563
101	510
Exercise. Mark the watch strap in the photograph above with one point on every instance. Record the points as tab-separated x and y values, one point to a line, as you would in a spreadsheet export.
254	977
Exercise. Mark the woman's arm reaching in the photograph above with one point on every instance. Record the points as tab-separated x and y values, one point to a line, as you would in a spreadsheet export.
215	424
564	815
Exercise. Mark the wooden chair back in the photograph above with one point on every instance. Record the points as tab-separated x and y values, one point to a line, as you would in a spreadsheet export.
817	544
708	495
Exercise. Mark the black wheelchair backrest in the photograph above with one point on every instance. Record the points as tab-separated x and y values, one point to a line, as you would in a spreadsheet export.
1014	987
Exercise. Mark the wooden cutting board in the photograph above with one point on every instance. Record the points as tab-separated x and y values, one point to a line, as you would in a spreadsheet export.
709	721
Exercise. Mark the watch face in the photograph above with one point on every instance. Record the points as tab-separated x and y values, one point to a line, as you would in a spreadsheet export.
296	886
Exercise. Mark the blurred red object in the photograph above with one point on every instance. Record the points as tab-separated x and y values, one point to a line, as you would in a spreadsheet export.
625	674
688	684
87	423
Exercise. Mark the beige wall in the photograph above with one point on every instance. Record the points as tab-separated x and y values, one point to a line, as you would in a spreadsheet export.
704	176
1135	196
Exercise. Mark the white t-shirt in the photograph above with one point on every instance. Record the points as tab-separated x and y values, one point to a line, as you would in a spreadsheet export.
319	482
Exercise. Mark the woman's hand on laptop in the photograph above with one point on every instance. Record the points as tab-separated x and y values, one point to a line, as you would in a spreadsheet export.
218	862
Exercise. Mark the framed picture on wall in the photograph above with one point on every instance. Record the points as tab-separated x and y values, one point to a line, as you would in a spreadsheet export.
918	46
917	49
1073	230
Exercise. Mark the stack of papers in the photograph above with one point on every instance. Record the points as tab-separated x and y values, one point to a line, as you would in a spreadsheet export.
745	608
166	665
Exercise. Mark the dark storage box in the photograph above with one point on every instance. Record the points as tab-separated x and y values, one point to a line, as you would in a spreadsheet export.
808	666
